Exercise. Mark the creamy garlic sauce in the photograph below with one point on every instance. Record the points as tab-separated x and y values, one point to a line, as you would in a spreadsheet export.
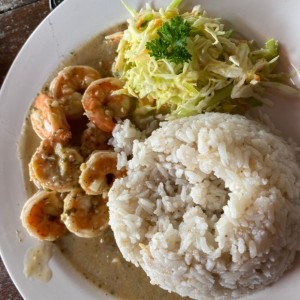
98	259
36	262
26	147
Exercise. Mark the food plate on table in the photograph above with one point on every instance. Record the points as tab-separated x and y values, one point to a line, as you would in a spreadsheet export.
69	27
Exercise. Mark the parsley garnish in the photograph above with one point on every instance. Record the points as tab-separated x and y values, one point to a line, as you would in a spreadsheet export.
171	43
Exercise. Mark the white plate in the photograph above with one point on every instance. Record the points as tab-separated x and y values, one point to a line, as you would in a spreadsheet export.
66	28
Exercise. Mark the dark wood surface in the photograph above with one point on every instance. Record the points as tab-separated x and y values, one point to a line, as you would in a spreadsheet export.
18	18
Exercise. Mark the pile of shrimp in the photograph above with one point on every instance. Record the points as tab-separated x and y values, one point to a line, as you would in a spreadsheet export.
73	168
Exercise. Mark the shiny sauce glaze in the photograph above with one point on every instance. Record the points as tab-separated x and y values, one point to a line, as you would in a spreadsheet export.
97	259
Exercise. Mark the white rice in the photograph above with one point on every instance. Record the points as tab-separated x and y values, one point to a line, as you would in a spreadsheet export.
210	206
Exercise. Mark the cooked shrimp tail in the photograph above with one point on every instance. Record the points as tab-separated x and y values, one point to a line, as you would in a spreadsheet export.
103	106
93	139
99	172
85	216
41	216
48	119
68	87
55	167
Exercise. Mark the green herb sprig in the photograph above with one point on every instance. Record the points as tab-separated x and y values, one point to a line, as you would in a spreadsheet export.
172	41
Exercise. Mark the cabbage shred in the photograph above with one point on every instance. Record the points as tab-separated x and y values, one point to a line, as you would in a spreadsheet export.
221	74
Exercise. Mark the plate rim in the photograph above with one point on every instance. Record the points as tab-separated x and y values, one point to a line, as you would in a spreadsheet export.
47	25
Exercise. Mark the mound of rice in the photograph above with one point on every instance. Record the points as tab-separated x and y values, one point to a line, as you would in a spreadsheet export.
210	207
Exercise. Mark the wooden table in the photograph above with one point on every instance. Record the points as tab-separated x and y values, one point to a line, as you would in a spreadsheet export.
18	18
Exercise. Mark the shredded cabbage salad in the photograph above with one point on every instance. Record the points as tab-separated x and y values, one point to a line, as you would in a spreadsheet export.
220	73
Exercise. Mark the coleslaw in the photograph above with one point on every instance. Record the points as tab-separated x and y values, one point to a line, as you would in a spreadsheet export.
223	74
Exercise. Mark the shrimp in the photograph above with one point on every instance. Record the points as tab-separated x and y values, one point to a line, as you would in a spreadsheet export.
48	119
86	216
69	85
102	106
41	216
93	139
55	167
99	172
